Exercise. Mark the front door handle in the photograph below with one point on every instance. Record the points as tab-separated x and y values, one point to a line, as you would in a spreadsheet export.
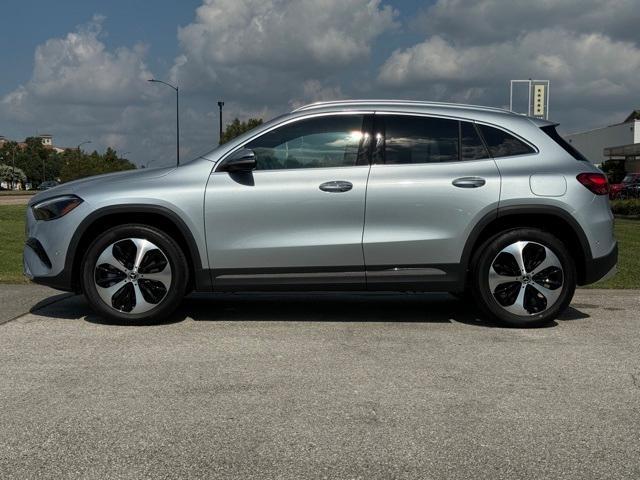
469	182
336	186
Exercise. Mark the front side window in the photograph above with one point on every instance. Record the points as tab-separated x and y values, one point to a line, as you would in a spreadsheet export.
420	140
321	142
503	144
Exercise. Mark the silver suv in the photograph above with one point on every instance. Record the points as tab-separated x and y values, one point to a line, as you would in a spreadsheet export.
350	195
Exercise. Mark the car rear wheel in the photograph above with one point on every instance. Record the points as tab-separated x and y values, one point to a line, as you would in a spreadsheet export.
134	273
523	277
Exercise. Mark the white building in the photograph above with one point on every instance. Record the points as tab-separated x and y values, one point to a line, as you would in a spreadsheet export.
615	142
47	139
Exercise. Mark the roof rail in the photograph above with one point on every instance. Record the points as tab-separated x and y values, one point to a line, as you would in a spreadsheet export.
338	103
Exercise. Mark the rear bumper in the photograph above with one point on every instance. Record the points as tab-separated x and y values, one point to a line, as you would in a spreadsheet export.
597	268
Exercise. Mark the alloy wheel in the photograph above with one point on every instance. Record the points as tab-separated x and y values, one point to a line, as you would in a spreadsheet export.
132	275
526	278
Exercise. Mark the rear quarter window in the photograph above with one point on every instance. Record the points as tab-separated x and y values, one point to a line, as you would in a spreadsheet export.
570	149
503	144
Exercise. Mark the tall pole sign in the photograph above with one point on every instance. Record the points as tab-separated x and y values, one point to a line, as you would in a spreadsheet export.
537	102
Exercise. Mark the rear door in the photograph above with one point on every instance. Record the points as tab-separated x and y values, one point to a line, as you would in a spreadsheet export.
431	180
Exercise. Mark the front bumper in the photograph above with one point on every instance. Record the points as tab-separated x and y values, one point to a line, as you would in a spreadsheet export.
45	252
598	268
36	259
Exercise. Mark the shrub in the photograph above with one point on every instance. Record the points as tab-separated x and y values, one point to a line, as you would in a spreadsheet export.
626	207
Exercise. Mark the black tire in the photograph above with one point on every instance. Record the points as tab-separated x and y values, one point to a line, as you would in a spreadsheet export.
483	260
173	256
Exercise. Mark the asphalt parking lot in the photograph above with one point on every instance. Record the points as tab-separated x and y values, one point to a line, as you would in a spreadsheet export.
322	386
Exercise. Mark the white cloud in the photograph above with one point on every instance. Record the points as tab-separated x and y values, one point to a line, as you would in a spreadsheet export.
80	90
298	35
487	21
267	49
315	91
473	49
78	69
555	54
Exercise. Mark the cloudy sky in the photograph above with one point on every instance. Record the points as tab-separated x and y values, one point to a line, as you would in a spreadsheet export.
77	69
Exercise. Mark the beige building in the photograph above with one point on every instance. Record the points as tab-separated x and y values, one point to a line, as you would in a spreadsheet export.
45	138
615	142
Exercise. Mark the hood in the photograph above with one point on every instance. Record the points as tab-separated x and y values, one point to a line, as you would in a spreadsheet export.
116	177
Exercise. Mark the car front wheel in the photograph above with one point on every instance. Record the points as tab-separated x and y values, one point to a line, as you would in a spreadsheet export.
134	273
524	277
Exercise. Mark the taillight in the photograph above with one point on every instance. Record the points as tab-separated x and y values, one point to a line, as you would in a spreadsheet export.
596	182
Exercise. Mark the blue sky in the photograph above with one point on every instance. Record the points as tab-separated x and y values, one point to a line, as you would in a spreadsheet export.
77	69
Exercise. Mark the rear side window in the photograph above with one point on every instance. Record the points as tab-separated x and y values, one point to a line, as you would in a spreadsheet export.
471	145
570	149
420	140
503	144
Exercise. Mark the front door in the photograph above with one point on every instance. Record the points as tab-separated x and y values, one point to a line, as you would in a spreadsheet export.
431	180
297	219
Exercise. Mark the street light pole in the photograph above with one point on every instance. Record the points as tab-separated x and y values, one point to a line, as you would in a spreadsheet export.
83	143
153	80
220	105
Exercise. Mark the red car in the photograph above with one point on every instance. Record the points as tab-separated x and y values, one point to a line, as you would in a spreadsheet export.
631	182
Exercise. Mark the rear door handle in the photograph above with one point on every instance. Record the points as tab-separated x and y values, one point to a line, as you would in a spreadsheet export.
336	186
469	182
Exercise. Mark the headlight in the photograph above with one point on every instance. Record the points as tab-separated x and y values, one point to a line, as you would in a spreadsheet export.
55	207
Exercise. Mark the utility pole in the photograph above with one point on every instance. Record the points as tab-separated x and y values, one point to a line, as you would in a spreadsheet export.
220	105
175	87
13	166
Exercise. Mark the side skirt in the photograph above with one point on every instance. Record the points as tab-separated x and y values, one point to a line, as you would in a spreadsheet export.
426	278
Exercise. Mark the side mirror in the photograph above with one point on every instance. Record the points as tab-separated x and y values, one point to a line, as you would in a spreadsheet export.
243	160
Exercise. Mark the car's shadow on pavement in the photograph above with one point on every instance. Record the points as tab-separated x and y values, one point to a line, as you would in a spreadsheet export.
303	307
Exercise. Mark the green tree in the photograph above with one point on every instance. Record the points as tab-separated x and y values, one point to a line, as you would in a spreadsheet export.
78	164
10	175
36	161
40	163
237	128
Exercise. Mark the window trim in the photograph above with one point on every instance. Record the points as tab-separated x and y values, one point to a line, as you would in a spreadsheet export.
479	134
362	113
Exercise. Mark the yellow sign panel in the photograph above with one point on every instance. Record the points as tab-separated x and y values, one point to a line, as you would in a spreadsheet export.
539	93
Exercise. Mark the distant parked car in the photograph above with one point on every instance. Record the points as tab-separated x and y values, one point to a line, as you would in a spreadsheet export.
630	191
628	188
48	184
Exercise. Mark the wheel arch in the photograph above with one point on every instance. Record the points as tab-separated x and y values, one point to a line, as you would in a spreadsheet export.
150	215
548	218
